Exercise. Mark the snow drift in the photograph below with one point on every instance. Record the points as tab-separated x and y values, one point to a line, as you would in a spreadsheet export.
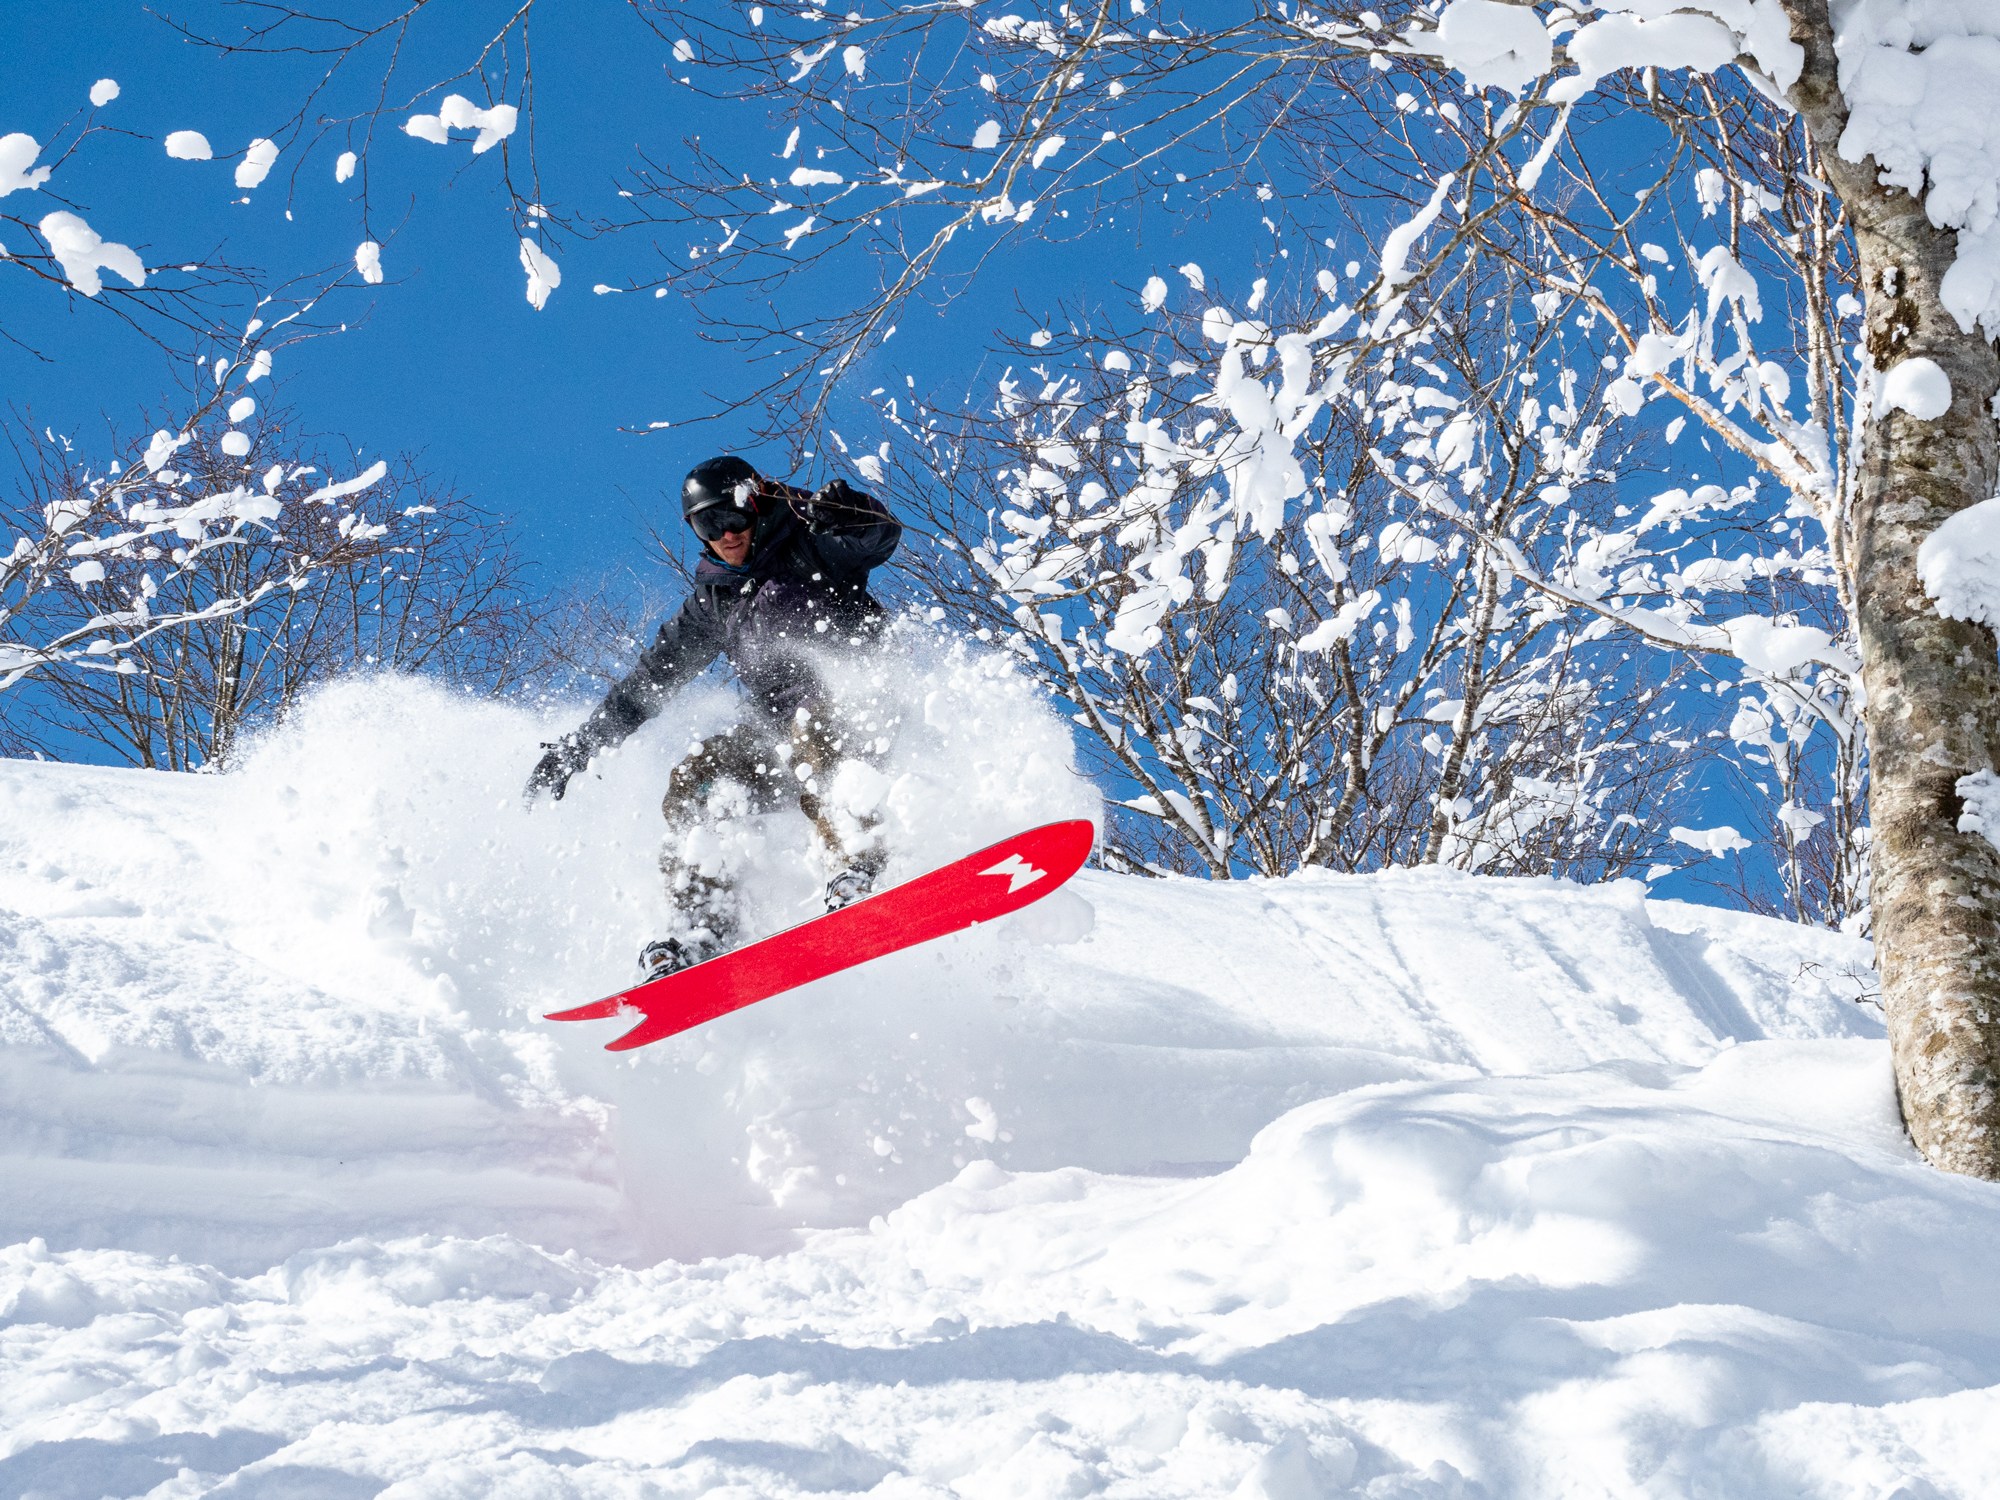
1402	1185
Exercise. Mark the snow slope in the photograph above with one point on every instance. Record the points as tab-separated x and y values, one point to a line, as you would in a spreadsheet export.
1402	1185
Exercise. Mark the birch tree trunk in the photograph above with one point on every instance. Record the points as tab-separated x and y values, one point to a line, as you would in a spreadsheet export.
1933	685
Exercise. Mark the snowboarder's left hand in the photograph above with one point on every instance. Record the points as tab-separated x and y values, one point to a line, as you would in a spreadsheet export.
560	760
822	510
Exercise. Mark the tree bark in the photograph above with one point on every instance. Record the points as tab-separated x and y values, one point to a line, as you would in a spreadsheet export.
1933	685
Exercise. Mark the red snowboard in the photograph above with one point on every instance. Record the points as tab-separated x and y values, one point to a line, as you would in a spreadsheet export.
1004	878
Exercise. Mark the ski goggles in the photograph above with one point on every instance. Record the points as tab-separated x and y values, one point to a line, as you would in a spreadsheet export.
716	521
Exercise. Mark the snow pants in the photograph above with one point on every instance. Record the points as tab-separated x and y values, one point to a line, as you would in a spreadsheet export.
745	771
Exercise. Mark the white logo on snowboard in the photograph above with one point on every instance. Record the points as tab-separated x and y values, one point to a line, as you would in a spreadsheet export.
1018	872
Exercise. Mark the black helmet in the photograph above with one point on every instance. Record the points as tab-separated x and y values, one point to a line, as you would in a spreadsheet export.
724	480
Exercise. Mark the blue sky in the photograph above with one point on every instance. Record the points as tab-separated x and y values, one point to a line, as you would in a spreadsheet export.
446	359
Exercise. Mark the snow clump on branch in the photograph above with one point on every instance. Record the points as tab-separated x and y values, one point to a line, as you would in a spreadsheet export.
1495	45
544	276
82	253
256	164
460	113
17	170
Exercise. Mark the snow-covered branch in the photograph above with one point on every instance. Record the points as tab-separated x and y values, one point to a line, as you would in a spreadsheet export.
100	550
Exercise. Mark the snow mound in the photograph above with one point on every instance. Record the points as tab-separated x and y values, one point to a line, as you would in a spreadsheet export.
1628	1279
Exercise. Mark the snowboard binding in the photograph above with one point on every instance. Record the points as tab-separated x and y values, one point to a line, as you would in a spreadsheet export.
849	886
664	956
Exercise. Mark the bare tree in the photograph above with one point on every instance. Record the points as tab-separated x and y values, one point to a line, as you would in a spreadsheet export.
1338	687
1735	199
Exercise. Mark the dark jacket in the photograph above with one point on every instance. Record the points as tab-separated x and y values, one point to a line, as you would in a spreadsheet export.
800	591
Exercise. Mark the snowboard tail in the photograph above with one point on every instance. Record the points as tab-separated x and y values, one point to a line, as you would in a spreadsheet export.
997	880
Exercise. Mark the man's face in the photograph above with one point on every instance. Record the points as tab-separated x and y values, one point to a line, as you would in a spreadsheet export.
732	547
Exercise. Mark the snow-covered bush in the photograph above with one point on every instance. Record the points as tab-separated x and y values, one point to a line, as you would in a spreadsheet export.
157	603
123	533
406	575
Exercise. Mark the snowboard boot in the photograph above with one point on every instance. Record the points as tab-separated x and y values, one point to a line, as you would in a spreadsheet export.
664	956
849	886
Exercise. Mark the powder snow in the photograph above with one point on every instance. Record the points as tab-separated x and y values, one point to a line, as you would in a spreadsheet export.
1412	1184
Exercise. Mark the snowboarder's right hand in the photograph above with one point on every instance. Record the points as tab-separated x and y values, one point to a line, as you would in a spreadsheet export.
561	760
822	510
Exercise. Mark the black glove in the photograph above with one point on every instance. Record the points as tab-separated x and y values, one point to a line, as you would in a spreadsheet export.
823	510
561	759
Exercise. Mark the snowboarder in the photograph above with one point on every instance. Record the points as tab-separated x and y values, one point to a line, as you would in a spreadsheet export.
783	576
